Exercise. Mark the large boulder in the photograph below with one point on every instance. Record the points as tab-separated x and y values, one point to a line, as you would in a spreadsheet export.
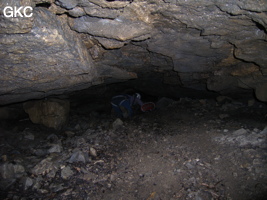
52	113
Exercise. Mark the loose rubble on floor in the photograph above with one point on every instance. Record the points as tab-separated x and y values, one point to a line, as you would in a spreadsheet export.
186	149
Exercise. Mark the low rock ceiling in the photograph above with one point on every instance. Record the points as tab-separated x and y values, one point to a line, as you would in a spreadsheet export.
69	45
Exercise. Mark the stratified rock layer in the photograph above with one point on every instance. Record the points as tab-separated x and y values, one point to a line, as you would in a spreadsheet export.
9	25
69	45
49	57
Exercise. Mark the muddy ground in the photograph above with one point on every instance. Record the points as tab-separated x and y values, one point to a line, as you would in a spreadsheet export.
188	149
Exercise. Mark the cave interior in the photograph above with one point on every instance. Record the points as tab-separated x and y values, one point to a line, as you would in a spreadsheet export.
202	63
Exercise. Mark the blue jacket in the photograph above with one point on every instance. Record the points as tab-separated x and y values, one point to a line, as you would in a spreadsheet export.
126	101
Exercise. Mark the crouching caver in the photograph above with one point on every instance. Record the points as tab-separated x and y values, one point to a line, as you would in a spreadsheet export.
122	104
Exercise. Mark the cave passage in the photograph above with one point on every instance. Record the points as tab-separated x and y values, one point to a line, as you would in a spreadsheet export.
202	64
187	148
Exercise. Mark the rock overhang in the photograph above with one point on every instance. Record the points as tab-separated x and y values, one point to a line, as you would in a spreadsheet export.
73	44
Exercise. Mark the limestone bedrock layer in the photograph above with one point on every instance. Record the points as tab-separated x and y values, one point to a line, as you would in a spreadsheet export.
68	45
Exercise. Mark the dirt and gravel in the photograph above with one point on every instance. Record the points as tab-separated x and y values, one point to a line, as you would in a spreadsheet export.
186	149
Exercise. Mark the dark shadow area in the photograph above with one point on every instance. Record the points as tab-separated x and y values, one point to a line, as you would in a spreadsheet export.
261	27
43	5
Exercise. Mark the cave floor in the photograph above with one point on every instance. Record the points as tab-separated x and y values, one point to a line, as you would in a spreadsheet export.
191	149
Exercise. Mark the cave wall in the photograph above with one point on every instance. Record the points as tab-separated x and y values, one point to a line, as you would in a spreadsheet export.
68	45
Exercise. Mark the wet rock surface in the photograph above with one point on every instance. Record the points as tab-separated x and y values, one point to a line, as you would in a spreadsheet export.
191	149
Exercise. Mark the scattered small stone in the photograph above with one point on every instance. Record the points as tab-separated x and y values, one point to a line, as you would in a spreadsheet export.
251	139
18	170
56	148
77	127
39	152
29	136
67	192
83	170
52	173
218	157
53	138
235	174
80	141
93	152
66	172
26	182
113	177
7	171
37	183
244	138
223	116
46	165
189	165
257	161
43	191
69	133
79	156
264	131
117	123
256	130
57	187
88	176
241	131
